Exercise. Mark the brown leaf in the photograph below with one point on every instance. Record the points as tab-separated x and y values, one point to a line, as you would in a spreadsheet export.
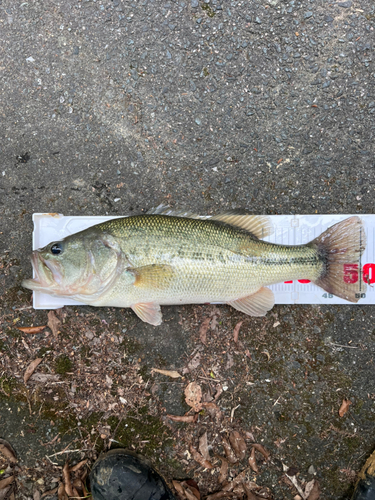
203	446
31	329
4	492
179	488
221	494
78	466
219	391
252	461
228	451
30	369
237	480
344	407
195	361
61	492
168	373
249	492
203	330
238	444
262	450
250	435
67	481
312	490
223	469
191	492
183	418
53	323
8	452
198	458
50	492
236	331
6	482
193	393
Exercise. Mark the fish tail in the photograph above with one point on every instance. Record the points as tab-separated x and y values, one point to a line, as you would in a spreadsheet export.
339	249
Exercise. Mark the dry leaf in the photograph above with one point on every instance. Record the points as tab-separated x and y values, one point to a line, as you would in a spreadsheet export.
8	452
169	373
198	458
4	493
236	331
344	407
6	482
253	462
50	492
61	492
67	481
78	466
183	418
237	480
214	323
312	490
250	435
249	492
191	490
228	451
219	391
31	329
262	450
203	446
221	494
193	393
53	323
179	488
238	444
223	469
203	330
30	369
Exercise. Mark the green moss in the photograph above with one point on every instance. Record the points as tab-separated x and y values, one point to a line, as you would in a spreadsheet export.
140	427
208	10
7	387
63	364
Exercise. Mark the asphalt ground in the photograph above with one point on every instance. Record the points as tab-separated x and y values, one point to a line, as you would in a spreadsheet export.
115	107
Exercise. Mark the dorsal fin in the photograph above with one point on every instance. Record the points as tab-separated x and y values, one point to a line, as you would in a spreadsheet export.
259	225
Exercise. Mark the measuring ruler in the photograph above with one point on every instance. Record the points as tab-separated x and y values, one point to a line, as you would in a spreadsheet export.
288	230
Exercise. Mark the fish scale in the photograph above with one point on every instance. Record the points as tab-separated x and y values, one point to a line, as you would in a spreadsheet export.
230	262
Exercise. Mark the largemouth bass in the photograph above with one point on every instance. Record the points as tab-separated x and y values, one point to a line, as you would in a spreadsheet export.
150	260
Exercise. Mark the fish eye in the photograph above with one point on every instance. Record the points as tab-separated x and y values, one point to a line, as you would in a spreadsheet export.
56	248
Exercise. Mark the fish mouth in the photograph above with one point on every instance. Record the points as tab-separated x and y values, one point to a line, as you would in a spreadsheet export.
44	275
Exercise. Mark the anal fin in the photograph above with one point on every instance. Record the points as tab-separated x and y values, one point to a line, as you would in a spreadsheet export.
148	312
257	304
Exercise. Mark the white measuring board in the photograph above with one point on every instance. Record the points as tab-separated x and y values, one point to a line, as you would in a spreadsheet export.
288	230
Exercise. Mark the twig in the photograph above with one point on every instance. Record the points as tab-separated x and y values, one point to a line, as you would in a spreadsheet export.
232	412
345	346
64	451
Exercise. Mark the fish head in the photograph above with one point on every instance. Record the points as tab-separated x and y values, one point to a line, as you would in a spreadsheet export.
81	266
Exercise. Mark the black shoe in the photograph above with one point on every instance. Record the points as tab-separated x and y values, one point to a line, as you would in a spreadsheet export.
120	475
365	487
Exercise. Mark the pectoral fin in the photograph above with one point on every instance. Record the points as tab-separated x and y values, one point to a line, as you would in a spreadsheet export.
149	313
257	304
155	276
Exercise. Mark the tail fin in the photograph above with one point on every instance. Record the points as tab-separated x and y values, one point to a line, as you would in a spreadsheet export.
340	248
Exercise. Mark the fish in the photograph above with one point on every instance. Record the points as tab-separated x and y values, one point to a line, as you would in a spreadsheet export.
158	259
